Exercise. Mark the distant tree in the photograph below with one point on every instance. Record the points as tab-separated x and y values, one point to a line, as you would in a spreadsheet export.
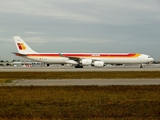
13	60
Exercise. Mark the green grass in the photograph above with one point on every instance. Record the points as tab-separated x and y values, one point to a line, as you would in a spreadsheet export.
80	75
80	102
5	81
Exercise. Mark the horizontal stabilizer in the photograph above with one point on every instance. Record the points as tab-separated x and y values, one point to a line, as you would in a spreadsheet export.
19	54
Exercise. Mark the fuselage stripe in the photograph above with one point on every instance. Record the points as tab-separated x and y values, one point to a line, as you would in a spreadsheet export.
129	55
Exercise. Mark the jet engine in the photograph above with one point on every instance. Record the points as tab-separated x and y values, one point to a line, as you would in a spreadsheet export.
86	62
98	64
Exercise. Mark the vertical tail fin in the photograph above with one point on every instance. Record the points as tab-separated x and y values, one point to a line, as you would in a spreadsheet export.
22	47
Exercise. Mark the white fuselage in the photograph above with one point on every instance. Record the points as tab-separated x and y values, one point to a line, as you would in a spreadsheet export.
107	58
80	59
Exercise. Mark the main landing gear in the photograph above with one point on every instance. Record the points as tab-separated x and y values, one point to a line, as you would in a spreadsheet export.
141	66
79	66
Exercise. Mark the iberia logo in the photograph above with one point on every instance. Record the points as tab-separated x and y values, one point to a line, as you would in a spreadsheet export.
21	46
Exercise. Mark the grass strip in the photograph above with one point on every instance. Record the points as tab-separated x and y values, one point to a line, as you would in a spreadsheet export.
80	75
80	102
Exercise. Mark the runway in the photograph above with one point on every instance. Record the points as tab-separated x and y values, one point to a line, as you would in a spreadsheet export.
72	69
82	82
64	82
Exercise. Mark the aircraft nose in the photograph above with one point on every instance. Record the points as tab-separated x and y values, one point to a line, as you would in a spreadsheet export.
151	59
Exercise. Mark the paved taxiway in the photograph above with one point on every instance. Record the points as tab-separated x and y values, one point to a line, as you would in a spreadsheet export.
79	82
72	69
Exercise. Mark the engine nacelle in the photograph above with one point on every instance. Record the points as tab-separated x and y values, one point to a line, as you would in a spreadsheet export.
98	64
86	62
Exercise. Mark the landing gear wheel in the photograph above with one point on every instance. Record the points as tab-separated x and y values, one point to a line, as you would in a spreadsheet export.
141	66
78	66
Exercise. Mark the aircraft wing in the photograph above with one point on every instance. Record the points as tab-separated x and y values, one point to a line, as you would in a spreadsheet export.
71	58
75	58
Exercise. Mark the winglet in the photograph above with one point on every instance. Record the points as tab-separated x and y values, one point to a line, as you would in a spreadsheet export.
60	54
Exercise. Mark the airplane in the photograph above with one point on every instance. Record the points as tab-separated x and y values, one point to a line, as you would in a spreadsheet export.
80	59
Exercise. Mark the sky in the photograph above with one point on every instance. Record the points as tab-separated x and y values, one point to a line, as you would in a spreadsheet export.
71	26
